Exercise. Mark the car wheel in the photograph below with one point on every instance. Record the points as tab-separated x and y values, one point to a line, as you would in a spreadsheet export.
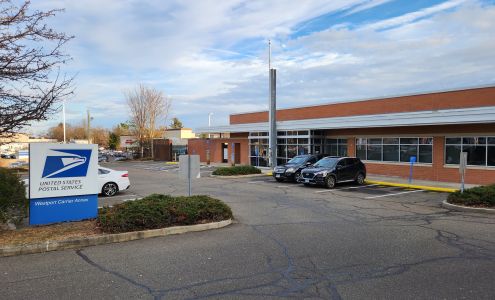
330	182
360	179
109	189
279	179
297	176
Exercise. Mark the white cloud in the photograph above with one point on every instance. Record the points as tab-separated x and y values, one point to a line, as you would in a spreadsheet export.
366	5
410	17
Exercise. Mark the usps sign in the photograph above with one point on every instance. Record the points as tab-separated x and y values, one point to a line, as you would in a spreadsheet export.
63	182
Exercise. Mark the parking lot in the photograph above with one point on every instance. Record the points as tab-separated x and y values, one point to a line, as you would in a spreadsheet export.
288	240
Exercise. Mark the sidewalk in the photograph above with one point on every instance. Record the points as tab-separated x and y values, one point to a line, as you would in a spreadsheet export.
417	182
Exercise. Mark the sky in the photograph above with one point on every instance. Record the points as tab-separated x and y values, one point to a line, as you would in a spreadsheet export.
211	56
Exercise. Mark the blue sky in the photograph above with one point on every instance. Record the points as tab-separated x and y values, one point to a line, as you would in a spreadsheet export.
211	56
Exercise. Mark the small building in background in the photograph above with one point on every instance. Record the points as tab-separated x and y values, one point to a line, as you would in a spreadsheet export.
178	139
80	142
128	142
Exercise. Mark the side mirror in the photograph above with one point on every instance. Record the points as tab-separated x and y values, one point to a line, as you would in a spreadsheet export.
339	167
308	163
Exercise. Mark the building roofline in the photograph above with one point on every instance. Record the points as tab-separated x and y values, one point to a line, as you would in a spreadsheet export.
491	85
175	129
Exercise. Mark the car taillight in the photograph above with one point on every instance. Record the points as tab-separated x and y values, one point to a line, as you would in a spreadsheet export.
125	175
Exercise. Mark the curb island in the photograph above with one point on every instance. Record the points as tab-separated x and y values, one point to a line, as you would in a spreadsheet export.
77	243
456	207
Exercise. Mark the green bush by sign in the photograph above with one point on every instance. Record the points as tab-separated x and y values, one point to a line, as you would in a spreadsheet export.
159	211
13	201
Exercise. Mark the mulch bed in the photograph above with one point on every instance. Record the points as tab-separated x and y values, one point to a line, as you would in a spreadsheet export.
55	232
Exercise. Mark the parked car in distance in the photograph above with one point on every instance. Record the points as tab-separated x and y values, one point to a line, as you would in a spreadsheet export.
7	156
112	181
292	169
18	164
331	170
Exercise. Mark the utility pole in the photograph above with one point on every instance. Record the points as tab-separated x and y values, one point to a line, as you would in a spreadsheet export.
63	117
89	128
272	111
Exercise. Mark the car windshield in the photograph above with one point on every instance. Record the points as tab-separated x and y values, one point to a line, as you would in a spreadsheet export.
297	160
328	162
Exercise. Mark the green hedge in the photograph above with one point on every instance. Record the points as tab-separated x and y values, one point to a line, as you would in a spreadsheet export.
13	201
159	211
477	196
236	170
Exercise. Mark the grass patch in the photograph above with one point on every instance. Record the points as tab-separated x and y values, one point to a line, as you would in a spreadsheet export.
481	196
236	170
159	211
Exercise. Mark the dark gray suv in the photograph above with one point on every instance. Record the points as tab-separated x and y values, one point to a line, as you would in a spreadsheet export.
331	170
292	169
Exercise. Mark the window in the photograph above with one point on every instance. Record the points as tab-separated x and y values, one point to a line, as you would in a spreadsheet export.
101	171
258	148
361	148
480	150
395	149
336	147
292	143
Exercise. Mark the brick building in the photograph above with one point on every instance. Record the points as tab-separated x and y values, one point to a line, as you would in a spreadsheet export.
384	133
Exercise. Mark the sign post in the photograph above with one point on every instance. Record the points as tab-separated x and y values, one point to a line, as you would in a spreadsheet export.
412	161
189	168
63	182
462	168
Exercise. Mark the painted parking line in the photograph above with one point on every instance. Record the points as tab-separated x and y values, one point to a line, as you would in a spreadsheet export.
395	194
346	188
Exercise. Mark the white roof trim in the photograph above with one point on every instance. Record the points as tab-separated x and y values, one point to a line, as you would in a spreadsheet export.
420	118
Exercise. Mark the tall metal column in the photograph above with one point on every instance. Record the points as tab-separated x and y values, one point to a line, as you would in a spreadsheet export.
272	120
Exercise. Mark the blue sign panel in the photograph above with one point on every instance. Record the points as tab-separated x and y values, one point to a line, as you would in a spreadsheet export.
412	159
61	209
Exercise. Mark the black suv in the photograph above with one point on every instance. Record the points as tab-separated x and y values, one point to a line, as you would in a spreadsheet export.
292	169
331	170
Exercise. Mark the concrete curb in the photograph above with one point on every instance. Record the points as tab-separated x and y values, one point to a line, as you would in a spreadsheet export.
456	207
413	186
237	176
107	239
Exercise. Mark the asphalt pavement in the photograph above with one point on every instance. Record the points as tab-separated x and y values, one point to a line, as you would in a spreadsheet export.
288	241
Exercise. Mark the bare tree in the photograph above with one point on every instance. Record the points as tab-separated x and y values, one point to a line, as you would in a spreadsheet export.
159	107
148	107
30	58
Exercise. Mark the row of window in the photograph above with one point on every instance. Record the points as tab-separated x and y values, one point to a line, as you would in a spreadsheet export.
480	150
395	149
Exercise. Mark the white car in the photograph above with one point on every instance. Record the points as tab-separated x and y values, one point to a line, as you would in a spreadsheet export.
110	181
